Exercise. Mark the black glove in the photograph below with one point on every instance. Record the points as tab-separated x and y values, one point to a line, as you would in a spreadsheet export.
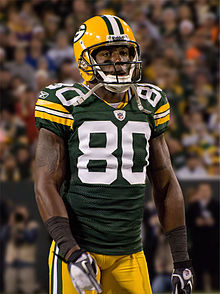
83	270
182	277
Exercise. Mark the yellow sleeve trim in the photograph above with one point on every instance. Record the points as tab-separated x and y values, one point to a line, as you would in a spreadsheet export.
163	108
53	118
51	105
162	120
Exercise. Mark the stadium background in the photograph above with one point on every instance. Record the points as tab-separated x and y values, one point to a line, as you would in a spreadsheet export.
179	49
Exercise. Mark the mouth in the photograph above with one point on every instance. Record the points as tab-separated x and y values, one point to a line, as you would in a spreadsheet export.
116	73
120	69
119	74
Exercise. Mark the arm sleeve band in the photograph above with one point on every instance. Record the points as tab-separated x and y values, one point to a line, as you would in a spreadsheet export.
177	239
59	229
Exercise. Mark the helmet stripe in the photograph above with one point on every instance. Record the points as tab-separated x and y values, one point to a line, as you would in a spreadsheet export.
119	25
114	24
108	24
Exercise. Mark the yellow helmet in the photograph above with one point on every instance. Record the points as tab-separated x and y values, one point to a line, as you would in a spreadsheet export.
106	30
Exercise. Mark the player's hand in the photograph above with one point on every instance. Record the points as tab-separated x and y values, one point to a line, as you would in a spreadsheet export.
182	277
83	269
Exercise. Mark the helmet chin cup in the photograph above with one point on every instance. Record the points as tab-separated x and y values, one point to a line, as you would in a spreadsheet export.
120	87
117	88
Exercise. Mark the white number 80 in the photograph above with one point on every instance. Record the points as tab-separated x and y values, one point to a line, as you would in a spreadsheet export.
105	153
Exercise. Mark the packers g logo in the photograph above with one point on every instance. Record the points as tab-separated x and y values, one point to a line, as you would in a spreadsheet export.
81	31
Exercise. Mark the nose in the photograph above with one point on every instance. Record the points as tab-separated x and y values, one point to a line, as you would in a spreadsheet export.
116	56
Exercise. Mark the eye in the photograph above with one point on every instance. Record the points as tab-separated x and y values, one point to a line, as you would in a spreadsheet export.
124	52
106	54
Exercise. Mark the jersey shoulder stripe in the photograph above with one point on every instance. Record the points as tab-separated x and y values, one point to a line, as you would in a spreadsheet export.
51	105
165	113
54	112
163	108
54	118
162	120
162	115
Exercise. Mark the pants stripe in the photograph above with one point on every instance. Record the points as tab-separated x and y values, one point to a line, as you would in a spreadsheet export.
54	273
51	267
59	275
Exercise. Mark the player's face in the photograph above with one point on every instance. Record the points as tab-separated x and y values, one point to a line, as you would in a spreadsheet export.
115	55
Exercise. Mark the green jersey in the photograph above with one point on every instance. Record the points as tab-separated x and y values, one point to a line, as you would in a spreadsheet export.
108	151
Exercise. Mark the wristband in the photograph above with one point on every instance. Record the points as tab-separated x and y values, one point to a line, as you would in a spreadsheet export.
183	264
177	239
59	229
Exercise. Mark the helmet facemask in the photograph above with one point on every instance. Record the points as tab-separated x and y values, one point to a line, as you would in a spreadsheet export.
113	82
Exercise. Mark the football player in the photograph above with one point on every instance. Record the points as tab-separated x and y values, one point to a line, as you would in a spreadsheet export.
99	140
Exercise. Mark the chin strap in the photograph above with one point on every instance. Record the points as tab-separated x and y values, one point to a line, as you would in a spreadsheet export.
99	85
82	98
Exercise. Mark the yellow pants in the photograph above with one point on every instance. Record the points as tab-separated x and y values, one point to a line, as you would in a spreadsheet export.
124	274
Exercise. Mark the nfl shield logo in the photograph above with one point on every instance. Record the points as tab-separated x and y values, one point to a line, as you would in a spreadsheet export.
119	114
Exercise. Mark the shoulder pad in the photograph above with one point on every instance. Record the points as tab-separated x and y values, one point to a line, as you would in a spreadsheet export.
151	93
52	111
65	94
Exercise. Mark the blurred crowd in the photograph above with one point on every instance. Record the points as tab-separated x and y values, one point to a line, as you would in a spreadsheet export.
202	217
179	50
18	247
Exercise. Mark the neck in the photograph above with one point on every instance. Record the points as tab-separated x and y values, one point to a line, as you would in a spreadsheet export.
106	95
